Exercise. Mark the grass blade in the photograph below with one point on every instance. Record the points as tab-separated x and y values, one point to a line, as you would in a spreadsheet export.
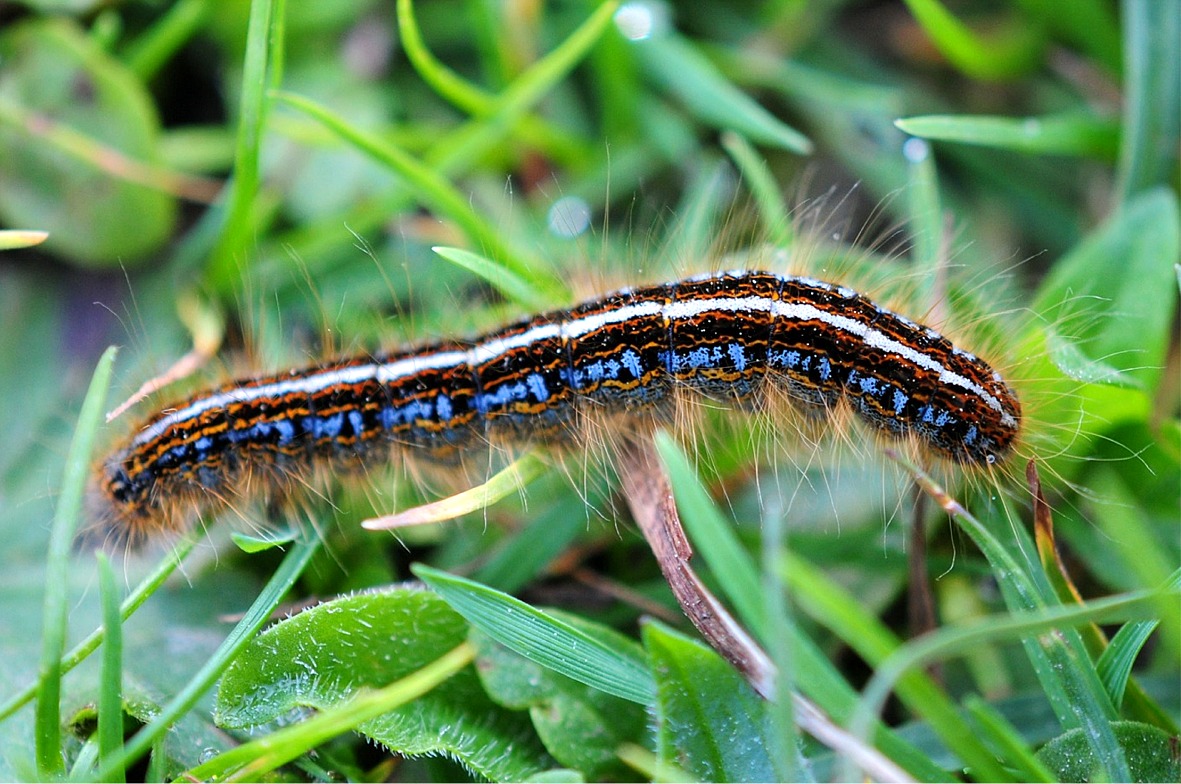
1066	134
65	523
544	639
110	697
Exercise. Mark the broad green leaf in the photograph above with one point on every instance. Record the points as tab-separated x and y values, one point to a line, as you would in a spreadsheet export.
324	656
581	727
709	721
550	641
54	81
1151	752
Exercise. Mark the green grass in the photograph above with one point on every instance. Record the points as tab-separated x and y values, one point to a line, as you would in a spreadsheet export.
388	171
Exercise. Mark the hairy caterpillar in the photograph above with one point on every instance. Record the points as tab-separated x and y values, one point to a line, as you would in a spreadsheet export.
726	336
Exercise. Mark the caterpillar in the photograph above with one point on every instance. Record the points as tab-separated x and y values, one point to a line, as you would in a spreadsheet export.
726	336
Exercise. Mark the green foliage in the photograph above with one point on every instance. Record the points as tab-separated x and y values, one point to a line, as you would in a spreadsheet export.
338	177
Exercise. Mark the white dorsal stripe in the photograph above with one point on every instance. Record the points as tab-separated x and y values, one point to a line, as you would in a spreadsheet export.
879	340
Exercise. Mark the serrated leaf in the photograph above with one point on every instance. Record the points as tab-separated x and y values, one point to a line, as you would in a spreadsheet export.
324	656
581	727
709	720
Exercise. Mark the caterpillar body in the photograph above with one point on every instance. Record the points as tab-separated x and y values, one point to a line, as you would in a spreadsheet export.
726	336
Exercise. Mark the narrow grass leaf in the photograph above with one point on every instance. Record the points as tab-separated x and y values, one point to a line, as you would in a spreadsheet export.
448	84
676	65
110	695
505	482
255	617
1151	127
1060	660
11	239
543	638
1011	747
1115	663
223	270
736	572
925	212
149	51
1012	49
951	641
90	644
57	564
256	544
1069	134
767	197
514	287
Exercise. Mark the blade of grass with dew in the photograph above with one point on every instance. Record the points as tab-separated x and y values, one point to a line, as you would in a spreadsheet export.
1066	134
1060	660
110	696
951	641
256	616
65	524
544	639
1115	666
925	210
222	271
